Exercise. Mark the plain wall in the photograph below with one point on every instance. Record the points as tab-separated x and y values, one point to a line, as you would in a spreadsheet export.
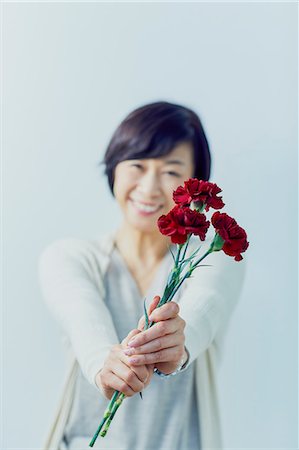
71	72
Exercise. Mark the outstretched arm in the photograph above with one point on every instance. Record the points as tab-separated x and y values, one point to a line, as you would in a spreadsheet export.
73	292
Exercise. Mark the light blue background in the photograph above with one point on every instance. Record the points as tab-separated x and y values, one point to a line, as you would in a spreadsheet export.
71	73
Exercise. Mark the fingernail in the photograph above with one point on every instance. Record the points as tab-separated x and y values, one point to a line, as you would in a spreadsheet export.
131	343
129	351
133	360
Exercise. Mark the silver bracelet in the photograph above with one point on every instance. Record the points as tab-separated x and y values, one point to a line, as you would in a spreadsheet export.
181	366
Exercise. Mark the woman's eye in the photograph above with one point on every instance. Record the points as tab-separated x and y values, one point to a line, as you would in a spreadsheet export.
138	166
173	174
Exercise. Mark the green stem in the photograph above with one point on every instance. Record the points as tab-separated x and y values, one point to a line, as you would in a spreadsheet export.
178	254
106	416
186	245
110	418
170	290
193	266
188	274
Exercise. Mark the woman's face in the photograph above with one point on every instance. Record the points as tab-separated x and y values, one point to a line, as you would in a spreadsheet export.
143	188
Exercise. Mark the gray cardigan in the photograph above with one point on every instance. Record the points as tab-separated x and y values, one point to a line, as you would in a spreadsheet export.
71	275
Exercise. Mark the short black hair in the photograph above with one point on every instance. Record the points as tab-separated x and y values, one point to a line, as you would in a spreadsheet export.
152	131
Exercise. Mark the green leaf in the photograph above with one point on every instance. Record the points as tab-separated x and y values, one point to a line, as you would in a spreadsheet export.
185	261
200	265
146	316
195	252
173	257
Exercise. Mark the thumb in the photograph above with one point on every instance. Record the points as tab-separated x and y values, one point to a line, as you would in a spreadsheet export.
151	308
154	304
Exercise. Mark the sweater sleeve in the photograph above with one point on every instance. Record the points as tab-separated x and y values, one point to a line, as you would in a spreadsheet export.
209	299
74	295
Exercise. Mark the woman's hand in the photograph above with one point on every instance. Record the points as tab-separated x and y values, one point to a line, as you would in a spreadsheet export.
118	374
163	343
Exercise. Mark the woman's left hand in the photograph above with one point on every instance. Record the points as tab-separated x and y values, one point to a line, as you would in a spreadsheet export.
163	343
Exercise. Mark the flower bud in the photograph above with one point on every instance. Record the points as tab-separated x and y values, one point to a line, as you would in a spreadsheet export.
197	205
217	243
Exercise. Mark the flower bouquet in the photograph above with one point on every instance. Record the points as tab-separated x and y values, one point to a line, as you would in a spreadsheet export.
187	218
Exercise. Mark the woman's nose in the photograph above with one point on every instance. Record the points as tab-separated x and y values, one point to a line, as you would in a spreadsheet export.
149	184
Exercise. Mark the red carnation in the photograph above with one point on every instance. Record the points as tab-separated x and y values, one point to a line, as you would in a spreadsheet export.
180	222
198	191
234	236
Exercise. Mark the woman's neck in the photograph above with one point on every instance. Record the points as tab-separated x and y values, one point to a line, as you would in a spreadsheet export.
141	247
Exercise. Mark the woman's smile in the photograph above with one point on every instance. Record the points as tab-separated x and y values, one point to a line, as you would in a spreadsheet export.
144	208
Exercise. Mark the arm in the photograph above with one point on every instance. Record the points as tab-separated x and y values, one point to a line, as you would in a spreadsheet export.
76	301
206	304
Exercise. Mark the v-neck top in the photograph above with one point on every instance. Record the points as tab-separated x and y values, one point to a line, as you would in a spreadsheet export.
167	416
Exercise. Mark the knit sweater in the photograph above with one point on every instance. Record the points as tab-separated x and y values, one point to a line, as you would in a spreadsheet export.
166	417
71	273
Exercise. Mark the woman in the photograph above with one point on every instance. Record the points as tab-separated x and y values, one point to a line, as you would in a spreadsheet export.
95	289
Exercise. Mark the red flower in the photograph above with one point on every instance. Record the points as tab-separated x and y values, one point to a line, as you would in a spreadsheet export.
180	222
235	237
198	191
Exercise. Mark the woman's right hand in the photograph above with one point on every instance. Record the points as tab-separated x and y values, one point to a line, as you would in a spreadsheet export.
117	374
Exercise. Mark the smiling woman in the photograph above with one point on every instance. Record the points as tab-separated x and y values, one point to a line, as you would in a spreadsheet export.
95	289
154	130
143	188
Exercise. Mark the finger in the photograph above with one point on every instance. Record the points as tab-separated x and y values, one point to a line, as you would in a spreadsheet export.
151	308
151	373
165	355
159	329
141	372
168	311
120	385
129	336
170	340
128	376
